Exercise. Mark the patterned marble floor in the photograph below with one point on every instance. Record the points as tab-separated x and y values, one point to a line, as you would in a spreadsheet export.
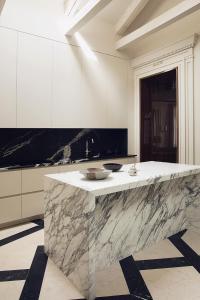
168	271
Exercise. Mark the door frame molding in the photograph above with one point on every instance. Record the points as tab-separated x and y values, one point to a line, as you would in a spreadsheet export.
178	56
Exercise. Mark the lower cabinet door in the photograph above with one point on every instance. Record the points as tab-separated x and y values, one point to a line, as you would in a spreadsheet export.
10	183
32	204
10	209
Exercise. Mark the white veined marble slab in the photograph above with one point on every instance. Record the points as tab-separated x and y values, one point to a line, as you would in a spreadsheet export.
89	225
148	173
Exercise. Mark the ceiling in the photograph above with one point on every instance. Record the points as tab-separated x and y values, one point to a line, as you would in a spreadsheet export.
168	35
113	11
46	18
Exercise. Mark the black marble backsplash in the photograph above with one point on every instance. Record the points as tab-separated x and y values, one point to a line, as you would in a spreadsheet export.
20	147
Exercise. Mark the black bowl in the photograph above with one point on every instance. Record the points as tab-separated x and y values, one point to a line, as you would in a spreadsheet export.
112	166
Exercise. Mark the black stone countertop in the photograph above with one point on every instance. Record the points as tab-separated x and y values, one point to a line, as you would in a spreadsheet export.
36	166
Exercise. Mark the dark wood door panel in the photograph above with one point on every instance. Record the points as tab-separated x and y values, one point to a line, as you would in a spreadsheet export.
158	140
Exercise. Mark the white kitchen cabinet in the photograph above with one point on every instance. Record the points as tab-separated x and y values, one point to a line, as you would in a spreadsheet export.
116	92
32	204
34	82
21	192
10	183
105	92
67	86
8	58
93	103
10	209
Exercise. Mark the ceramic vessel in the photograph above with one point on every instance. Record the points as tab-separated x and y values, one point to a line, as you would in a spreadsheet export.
95	173
112	166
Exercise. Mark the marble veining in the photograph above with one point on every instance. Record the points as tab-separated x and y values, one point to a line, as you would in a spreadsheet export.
42	147
192	200
91	225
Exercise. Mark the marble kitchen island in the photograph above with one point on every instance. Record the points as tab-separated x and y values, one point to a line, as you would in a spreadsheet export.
90	225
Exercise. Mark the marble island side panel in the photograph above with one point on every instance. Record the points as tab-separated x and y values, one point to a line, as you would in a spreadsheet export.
69	218
84	232
192	200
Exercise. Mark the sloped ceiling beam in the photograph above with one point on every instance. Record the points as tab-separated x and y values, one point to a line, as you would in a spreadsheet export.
172	15
2	2
70	6
89	11
130	14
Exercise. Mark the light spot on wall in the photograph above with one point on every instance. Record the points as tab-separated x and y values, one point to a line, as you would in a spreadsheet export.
85	47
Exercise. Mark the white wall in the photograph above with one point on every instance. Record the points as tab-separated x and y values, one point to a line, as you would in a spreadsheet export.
46	83
46	18
197	102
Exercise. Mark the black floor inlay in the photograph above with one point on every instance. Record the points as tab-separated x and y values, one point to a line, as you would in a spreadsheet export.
131	269
120	297
181	233
39	222
32	286
162	263
13	275
190	255
19	235
134	280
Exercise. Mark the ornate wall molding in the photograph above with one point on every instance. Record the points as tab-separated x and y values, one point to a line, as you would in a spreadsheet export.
178	56
157	56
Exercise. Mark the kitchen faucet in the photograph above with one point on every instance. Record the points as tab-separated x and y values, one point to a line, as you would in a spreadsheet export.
87	150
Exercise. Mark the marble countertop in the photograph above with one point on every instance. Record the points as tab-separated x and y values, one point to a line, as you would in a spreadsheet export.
148	173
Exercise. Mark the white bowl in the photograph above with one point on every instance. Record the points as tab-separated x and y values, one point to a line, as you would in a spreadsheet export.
95	173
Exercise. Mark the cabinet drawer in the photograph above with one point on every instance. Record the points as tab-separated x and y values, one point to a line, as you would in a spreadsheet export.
32	204
10	183
93	164
33	179
127	160
10	209
77	167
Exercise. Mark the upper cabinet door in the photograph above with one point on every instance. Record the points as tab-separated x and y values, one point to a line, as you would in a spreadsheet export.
105	86
116	92
94	102
67	86
8	52
34	84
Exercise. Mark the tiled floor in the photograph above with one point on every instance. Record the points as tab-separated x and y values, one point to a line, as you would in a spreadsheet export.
167	271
